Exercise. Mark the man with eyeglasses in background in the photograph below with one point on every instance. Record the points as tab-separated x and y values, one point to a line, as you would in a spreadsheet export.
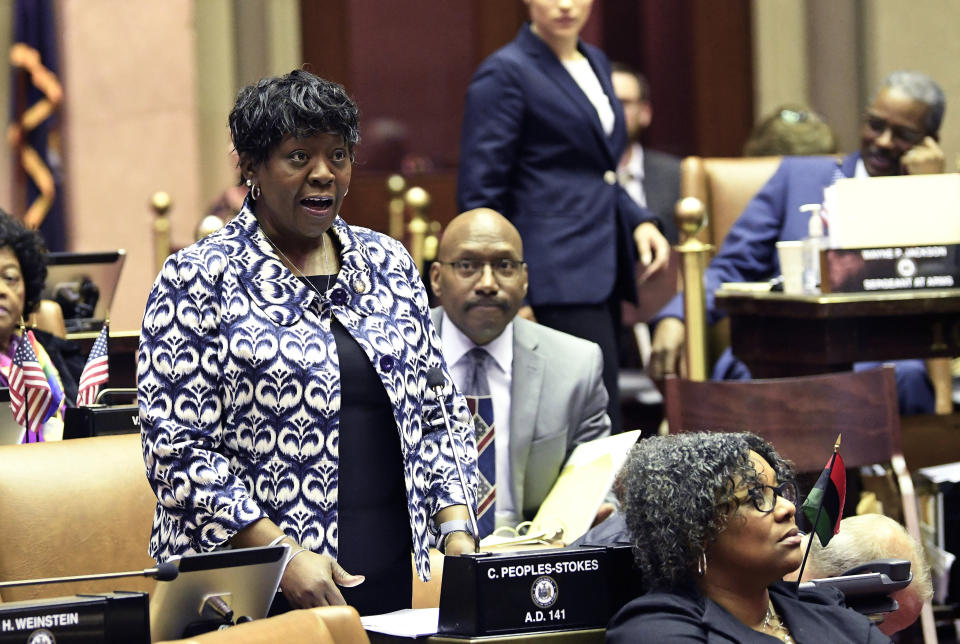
546	386
651	177
898	136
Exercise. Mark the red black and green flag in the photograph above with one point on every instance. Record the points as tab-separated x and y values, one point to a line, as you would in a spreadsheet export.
823	507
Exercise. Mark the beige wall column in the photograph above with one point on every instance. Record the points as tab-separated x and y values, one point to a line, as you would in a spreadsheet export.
216	63
834	54
268	37
131	129
238	42
779	54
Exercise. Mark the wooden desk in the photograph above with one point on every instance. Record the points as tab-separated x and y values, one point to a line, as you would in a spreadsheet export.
779	335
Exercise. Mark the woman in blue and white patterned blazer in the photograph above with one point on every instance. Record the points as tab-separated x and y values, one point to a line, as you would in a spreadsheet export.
282	374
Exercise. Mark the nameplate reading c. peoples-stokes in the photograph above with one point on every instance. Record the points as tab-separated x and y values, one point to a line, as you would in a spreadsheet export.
863	270
547	590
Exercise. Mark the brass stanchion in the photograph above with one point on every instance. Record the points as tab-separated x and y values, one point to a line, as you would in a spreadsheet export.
396	184
207	225
691	217
432	241
161	202
418	200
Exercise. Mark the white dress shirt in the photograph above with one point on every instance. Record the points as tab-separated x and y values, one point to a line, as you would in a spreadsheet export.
585	77
500	377
631	175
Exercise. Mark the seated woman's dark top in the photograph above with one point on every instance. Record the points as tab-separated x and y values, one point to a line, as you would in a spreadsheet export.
68	359
813	617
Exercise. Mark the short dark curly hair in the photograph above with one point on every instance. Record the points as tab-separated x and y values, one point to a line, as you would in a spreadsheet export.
299	104
676	492
31	252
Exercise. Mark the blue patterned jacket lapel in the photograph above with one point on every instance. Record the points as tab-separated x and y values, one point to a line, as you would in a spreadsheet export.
277	291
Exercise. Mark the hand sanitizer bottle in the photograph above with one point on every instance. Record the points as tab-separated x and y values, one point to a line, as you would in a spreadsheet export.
812	245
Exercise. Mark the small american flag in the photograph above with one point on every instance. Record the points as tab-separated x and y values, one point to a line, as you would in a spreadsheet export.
96	371
30	395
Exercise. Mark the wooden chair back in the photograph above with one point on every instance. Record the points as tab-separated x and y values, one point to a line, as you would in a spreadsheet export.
800	416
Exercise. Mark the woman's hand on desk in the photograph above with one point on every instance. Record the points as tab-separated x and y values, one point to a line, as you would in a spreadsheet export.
311	580
459	543
925	157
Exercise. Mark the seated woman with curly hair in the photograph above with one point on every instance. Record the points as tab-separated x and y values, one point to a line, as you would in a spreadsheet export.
712	522
23	271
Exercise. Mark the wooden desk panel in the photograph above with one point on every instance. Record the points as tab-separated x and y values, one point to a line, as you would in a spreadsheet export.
779	335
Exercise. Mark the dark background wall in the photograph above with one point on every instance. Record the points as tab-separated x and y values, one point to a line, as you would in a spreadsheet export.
409	68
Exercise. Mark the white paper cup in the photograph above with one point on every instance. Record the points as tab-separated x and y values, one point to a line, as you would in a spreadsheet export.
790	254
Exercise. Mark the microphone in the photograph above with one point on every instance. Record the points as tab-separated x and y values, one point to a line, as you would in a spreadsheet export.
166	571
435	381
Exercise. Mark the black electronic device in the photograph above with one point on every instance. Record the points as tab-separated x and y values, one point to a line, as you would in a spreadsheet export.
538	591
108	618
867	587
83	284
216	589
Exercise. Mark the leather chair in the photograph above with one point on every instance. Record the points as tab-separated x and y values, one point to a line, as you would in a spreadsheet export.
802	417
74	507
725	185
49	317
325	625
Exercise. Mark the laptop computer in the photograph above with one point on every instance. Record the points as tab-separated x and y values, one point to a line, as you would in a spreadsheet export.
243	581
83	284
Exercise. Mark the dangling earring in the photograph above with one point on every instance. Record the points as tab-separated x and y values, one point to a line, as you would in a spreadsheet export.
254	189
702	564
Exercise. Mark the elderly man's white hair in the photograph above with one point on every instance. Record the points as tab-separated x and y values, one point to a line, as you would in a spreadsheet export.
867	537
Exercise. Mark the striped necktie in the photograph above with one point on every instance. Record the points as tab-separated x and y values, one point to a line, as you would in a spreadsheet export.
477	391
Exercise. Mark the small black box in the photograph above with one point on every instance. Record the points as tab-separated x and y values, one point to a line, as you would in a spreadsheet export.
100	420
535	591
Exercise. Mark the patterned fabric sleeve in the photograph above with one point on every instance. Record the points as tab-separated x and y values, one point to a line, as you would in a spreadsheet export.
201	503
442	483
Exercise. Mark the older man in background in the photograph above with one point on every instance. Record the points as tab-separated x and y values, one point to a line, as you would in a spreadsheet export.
898	136
865	538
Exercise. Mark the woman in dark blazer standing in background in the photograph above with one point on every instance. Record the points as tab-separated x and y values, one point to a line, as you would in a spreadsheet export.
542	134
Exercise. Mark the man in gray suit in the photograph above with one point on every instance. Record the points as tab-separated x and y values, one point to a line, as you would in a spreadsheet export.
546	386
